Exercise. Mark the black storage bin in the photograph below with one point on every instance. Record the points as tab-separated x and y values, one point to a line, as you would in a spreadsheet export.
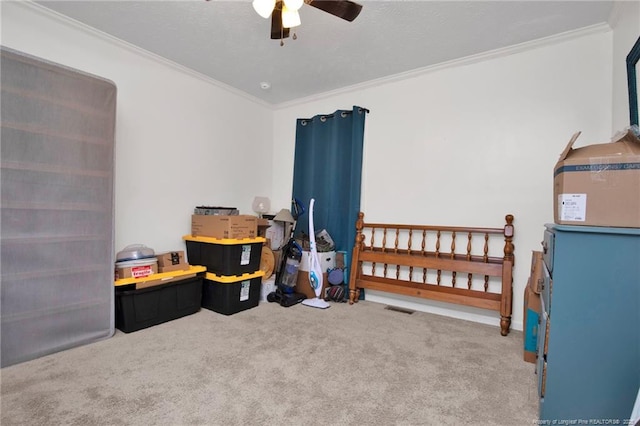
146	307
229	295
225	257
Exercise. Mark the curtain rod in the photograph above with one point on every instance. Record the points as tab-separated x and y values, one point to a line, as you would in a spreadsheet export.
323	117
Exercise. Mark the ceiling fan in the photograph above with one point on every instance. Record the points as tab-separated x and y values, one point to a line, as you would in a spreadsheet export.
284	13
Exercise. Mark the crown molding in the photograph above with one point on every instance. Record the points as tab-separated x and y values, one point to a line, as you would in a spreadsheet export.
70	22
492	54
468	60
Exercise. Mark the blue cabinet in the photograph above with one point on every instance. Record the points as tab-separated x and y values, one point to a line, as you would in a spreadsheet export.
589	341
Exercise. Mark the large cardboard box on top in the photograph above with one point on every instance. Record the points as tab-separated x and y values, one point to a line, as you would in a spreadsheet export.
599	185
224	227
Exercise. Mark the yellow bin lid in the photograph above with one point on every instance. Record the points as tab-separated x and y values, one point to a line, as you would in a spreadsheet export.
226	241
227	279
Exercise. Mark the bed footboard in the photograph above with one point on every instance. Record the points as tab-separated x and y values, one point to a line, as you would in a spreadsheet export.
445	263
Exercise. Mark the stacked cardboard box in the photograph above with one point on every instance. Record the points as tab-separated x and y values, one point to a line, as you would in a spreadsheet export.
599	185
224	227
532	307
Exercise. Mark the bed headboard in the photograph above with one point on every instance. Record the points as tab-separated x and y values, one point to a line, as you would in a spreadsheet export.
471	266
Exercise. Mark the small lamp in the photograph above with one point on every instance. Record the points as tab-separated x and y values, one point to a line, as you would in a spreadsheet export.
261	205
284	215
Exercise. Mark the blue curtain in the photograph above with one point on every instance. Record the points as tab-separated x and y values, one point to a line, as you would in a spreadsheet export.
328	168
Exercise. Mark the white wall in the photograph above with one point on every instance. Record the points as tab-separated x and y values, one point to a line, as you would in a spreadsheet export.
181	140
469	143
625	21
461	144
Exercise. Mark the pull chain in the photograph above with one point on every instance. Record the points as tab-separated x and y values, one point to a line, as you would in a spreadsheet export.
281	34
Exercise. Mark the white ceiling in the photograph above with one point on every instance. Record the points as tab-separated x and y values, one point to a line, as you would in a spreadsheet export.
229	42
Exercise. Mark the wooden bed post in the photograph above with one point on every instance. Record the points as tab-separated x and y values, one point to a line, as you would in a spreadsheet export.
356	264
507	277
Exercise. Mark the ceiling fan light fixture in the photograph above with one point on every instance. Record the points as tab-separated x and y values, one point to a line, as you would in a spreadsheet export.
264	7
293	4
290	18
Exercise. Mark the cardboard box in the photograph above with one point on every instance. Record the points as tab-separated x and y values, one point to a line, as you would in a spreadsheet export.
532	310
599	185
263	224
173	268
171	258
277	255
536	278
171	261
303	286
166	280
327	260
136	271
224	227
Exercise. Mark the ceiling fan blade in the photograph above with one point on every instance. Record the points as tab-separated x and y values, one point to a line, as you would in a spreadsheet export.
344	9
277	31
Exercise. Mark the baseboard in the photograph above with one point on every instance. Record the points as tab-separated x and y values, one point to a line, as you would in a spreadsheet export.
439	308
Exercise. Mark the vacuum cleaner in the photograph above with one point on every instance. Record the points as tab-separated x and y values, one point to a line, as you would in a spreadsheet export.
287	277
315	271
